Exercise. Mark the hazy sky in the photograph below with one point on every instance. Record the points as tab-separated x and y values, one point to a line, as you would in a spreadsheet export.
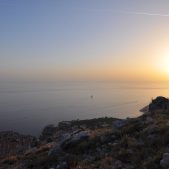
84	39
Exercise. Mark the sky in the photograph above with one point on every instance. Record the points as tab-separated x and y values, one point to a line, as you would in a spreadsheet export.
126	40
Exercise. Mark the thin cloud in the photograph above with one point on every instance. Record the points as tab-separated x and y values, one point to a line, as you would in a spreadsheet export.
145	13
124	12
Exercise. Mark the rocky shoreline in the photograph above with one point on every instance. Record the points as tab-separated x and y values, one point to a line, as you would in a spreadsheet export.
103	143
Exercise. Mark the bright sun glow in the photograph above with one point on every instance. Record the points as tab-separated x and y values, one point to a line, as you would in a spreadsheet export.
164	63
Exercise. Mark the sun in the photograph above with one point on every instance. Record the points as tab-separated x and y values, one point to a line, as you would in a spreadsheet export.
164	62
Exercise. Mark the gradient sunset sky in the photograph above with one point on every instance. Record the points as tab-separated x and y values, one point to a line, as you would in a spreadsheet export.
84	40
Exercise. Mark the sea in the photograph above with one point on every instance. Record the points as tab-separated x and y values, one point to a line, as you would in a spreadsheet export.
27	107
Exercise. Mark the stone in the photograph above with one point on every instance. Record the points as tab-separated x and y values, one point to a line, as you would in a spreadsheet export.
75	138
119	123
56	150
80	136
151	129
48	133
149	120
165	160
119	165
64	125
160	103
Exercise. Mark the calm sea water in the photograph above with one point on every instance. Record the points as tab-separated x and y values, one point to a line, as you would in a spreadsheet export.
28	107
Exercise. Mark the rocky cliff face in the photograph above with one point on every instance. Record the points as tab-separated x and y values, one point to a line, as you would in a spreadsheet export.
104	143
159	104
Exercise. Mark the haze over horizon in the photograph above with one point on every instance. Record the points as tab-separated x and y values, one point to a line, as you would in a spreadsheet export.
122	40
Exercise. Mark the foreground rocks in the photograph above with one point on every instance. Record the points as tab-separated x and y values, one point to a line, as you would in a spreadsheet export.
165	160
159	104
104	143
